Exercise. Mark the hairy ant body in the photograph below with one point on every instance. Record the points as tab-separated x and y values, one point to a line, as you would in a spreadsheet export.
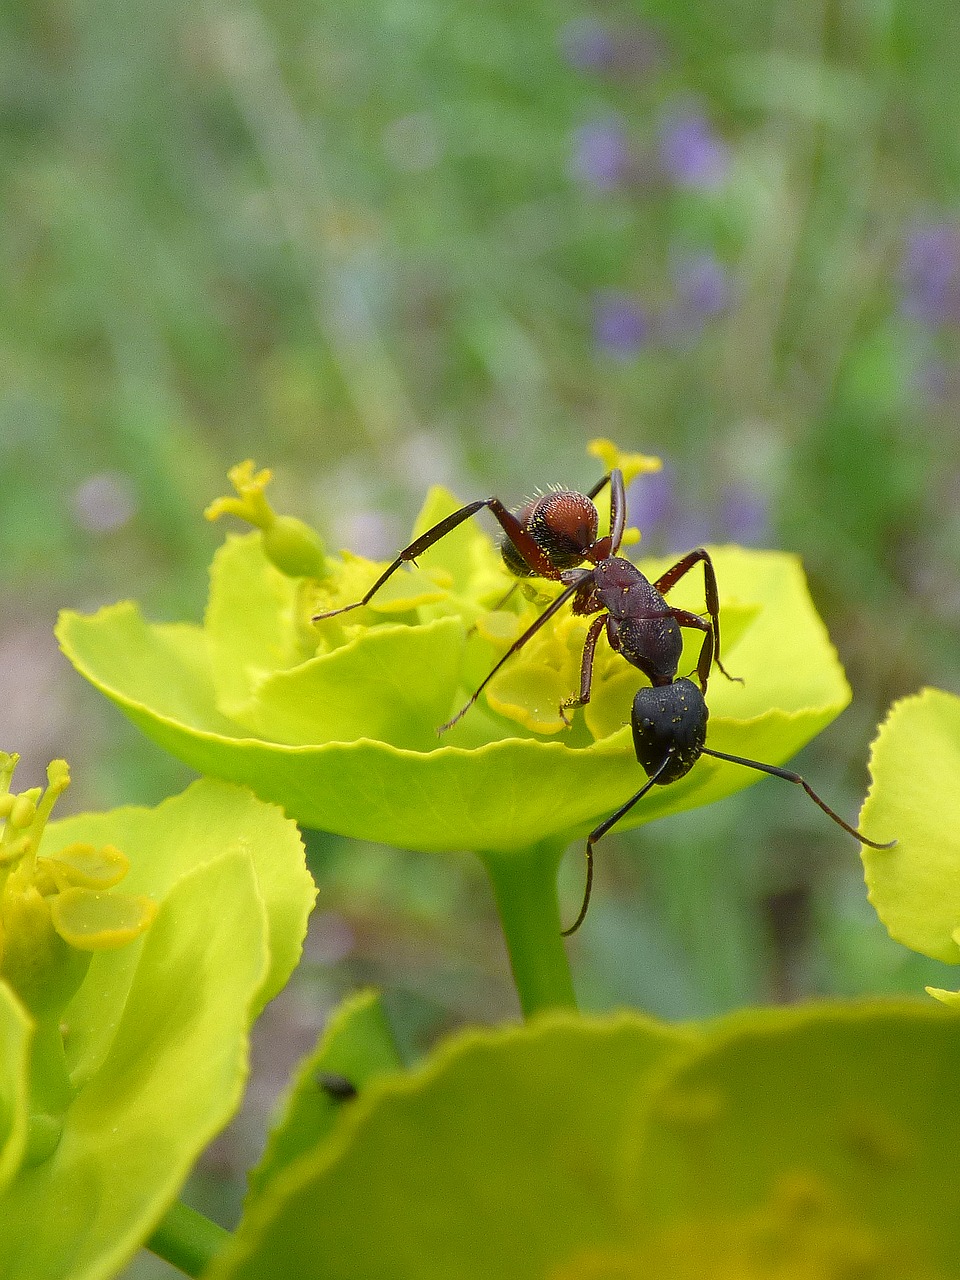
551	537
669	736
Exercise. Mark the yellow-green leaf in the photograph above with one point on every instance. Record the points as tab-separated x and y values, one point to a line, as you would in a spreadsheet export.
914	798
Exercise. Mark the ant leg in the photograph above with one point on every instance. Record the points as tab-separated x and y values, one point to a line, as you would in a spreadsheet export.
618	505
602	830
618	510
503	599
673	576
531	631
789	776
417	547
521	539
705	661
586	667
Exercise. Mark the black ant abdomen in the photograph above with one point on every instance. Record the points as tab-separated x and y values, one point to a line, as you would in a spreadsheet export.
669	722
669	736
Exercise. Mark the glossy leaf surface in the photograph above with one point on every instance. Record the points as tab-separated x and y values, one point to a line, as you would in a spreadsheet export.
170	1079
828	1136
800	1144
207	820
155	1039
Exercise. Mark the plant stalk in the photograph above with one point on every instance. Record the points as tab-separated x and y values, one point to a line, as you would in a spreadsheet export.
187	1240
525	889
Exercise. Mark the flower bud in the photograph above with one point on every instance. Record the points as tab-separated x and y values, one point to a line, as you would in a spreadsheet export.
23	810
290	545
294	548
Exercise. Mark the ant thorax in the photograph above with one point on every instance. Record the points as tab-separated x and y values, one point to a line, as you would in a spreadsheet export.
640	625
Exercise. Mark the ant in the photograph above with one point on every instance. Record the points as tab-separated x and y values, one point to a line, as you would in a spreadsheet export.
669	735
551	537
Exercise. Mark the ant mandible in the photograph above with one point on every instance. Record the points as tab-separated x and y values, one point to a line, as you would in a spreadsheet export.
669	736
550	537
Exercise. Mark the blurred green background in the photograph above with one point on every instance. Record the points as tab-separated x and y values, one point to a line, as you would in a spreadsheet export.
385	244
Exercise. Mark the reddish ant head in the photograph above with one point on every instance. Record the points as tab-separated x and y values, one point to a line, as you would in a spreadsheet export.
564	526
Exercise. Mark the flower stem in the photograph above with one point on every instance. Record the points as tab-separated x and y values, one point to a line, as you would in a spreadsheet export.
525	889
187	1240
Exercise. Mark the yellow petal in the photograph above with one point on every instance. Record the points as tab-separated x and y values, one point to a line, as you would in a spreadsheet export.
93	921
631	464
86	867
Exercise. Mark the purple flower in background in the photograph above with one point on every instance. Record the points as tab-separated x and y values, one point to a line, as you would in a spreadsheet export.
744	516
702	284
104	502
935	381
691	154
621	326
702	290
652	501
668	524
931	274
673	527
687	530
601	154
589	45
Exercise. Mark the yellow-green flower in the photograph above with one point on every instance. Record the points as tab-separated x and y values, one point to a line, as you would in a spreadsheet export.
915	767
125	1011
337	721
56	910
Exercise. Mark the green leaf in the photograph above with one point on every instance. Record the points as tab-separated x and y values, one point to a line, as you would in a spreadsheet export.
915	799
250	621
499	1158
165	667
356	1047
840	1117
15	1029
206	821
510	792
171	1078
394	684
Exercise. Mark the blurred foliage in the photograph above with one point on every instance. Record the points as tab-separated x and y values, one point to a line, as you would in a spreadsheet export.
382	245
